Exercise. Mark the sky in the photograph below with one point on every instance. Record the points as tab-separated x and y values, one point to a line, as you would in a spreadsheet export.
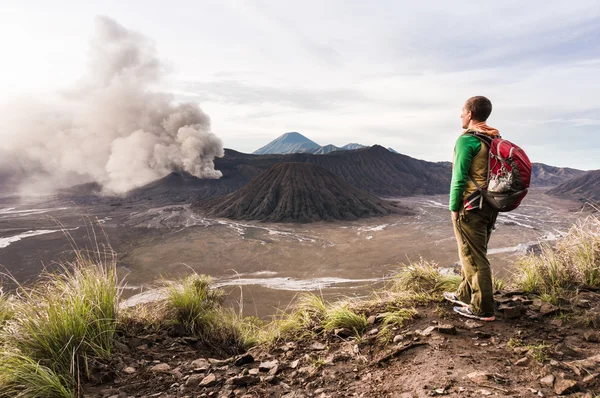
394	73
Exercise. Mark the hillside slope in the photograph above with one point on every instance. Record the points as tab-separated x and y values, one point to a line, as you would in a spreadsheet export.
584	187
297	192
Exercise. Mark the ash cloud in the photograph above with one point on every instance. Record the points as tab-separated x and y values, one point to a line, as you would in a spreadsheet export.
110	128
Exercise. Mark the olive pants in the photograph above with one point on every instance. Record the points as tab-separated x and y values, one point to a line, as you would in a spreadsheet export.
473	230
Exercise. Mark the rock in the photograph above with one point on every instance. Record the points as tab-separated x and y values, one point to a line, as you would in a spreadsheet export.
483	335
426	332
294	364
398	338
510	312
274	370
564	386
556	322
217	362
208	381
590	378
522	362
268	365
547	381
373	332
371	320
592	336
472	324
129	370
567	350
244	360
447	329
244	380
161	368
479	377
254	372
548	309
271	379
316	346
194	380
200	364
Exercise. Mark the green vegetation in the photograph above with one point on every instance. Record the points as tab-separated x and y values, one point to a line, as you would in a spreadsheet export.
341	316
56	327
6	308
423	282
199	308
573	262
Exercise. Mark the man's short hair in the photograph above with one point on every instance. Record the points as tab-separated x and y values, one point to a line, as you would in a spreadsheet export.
480	108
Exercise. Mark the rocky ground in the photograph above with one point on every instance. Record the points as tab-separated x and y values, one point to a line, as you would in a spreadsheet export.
534	349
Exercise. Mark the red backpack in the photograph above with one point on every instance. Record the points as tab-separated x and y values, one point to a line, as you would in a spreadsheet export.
509	173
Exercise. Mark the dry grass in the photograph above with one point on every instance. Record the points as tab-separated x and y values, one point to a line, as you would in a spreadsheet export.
573	262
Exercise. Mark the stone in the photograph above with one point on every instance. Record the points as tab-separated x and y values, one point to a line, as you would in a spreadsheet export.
201	365
426	332
556	322
472	324
548	309
194	380
129	370
294	364
241	381
522	361
208	381
482	335
161	368
592	336
254	372
398	338
271	379
447	329
479	377
371	320
547	381
217	362
268	365
510	312
244	360
274	370
564	386
373	332
590	378
316	346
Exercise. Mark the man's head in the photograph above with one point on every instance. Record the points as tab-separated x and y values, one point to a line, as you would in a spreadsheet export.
476	109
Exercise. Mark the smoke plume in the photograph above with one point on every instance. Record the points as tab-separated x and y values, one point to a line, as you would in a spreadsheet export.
111	127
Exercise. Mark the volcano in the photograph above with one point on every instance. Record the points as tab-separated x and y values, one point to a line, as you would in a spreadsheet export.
298	192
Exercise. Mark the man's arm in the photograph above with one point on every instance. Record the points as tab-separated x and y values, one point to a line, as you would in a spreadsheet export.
465	150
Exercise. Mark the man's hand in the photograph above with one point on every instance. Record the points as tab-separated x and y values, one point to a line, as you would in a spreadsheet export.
454	215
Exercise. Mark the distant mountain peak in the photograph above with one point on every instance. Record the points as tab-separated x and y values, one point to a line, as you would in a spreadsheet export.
291	142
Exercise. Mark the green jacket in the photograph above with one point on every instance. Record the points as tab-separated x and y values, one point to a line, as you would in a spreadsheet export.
469	160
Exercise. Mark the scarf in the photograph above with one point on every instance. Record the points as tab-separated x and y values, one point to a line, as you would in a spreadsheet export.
483	128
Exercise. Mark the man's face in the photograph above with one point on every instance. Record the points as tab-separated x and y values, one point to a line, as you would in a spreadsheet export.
465	117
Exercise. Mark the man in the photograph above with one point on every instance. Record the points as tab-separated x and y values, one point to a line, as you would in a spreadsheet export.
472	216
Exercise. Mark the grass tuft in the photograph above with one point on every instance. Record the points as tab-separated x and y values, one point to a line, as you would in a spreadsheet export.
6	308
57	326
198	306
573	262
341	316
424	281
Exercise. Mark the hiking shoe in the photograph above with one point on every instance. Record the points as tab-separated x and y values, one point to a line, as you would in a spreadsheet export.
453	298
466	312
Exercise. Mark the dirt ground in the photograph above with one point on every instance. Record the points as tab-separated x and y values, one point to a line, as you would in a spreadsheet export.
532	350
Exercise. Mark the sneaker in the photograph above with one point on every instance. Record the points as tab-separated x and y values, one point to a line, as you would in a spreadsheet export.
453	298
466	312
